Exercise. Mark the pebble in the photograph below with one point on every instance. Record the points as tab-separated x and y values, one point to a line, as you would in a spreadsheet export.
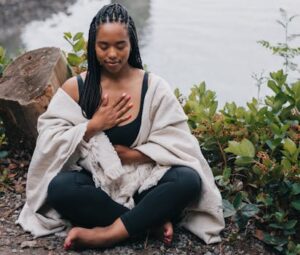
216	251
29	244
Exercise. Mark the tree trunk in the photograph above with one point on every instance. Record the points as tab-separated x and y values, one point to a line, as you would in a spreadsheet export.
26	89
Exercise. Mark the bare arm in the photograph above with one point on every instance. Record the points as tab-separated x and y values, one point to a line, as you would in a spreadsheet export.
128	155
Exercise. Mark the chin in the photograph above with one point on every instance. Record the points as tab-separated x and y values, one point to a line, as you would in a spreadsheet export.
114	70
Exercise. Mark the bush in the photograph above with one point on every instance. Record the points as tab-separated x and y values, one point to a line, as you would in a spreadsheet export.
254	154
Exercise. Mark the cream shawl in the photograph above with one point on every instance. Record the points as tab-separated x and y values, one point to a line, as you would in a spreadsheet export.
164	136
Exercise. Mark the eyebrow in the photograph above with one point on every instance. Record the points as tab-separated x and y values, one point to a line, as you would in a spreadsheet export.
104	42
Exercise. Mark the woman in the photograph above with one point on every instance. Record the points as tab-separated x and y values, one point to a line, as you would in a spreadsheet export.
165	172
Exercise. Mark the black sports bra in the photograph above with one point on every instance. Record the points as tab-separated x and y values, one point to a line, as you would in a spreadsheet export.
123	135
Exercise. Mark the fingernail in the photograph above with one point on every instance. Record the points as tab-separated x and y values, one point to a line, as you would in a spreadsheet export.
124	94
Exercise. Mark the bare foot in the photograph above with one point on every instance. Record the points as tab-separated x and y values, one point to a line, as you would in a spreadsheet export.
164	232
84	237
96	237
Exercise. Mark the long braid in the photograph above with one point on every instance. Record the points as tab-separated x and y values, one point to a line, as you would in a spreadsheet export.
90	99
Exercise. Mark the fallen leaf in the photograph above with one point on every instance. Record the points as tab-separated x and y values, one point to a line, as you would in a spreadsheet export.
259	234
12	166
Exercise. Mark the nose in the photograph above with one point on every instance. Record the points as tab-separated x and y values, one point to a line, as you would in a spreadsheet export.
112	54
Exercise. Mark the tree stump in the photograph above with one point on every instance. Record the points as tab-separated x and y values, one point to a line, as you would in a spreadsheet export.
26	89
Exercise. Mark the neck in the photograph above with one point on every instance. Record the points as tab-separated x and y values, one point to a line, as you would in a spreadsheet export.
123	73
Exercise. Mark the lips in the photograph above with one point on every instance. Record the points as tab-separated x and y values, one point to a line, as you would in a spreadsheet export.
112	64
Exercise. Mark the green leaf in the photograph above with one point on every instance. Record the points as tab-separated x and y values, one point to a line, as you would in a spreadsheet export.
275	129
252	107
249	210
226	174
279	216
286	164
177	93
202	88
247	148
77	36
234	147
274	240
279	101
237	200
2	53
79	45
73	59
296	204
289	146
228	209
277	226
68	35
296	189
272	85
213	108
290	224
3	154
243	161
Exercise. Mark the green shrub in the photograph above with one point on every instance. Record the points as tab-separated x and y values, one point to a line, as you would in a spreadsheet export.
254	154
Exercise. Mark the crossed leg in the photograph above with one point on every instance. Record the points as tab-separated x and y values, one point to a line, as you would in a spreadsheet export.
103	222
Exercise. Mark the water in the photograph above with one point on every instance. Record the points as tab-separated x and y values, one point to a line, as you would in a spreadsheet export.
187	42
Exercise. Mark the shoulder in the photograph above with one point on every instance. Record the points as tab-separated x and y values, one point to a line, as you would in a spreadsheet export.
158	82
163	101
160	87
70	86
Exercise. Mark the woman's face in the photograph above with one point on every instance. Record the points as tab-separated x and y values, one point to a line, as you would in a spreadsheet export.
112	46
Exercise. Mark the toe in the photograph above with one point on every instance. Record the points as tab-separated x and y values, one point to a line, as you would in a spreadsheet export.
67	245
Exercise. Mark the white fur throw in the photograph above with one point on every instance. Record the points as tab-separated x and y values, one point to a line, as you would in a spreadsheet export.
164	136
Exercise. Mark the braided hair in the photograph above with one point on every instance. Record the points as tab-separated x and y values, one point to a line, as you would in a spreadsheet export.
90	99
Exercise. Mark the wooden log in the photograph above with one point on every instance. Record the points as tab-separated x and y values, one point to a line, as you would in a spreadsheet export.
26	89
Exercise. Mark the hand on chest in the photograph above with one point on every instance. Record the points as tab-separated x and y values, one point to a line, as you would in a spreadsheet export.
115	91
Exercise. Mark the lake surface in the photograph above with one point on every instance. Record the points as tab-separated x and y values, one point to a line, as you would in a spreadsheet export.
187	42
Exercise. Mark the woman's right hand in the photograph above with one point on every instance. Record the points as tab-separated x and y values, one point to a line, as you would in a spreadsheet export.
108	115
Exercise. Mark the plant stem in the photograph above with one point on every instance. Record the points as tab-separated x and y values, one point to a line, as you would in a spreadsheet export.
222	153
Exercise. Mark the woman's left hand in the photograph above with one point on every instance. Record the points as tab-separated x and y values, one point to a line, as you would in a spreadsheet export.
126	154
129	156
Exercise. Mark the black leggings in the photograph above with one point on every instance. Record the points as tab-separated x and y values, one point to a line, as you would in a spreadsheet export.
74	195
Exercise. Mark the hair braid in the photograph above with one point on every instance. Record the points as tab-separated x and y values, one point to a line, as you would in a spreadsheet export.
91	96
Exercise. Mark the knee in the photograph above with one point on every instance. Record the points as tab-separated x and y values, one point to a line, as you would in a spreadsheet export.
189	182
58	188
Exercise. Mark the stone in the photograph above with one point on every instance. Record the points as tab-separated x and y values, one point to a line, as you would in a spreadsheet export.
29	244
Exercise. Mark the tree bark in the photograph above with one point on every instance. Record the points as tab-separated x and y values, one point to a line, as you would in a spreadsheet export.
26	89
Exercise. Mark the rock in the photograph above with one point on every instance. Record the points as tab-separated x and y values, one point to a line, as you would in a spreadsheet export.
29	244
216	251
